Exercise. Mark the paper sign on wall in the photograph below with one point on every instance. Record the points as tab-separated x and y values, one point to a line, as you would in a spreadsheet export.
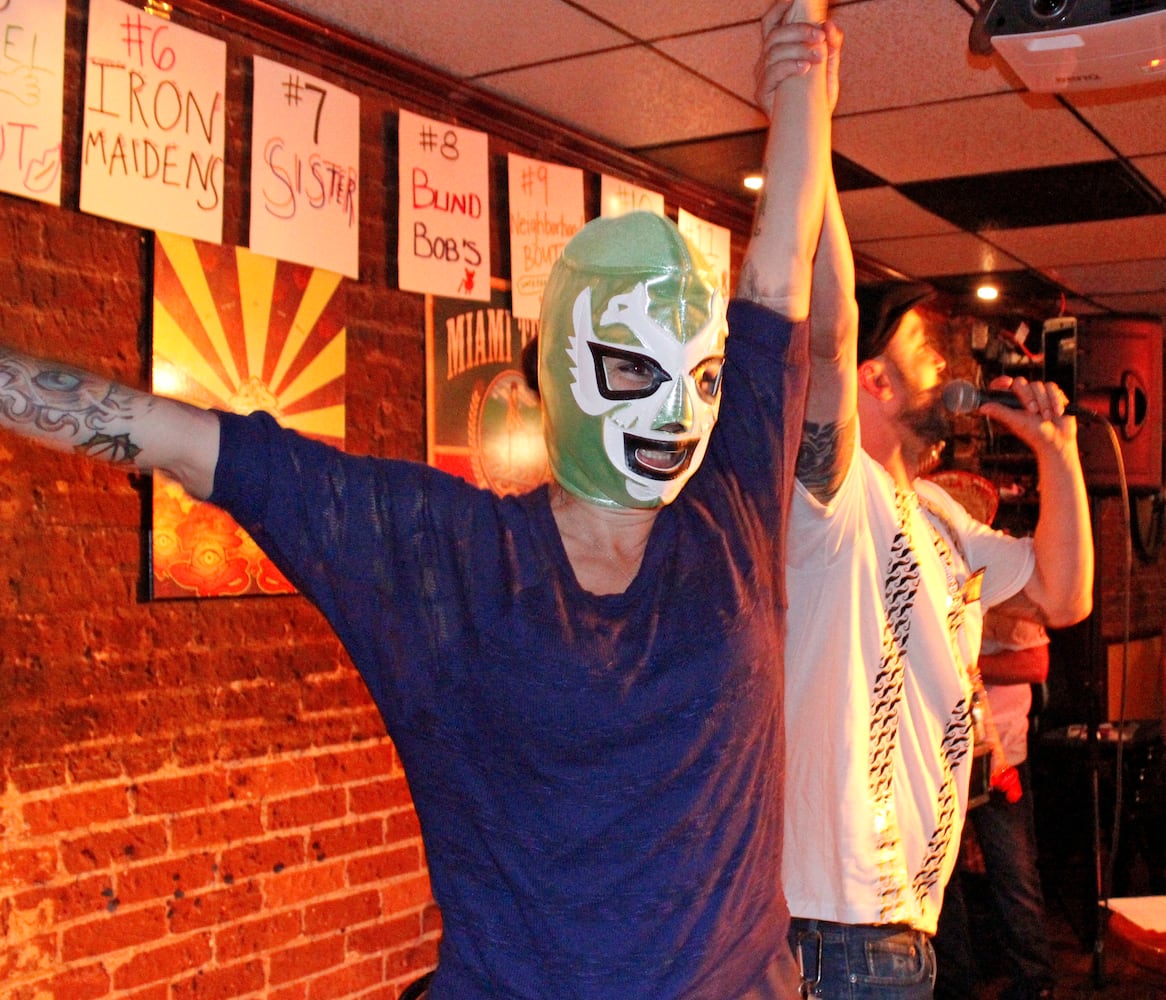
714	242
618	197
32	75
155	118
305	170
546	210
443	227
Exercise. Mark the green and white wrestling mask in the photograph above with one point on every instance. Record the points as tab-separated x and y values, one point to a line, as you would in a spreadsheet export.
630	349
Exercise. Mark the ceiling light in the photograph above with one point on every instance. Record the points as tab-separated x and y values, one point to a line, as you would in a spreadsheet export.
754	182
988	293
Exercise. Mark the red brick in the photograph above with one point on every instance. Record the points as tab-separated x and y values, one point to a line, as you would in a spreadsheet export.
113	847
379	796
305	959
207	909
180	795
272	779
340	914
33	864
87	983
262	857
401	825
346	766
76	810
80	898
348	839
252	937
217	827
348	981
405	894
180	876
112	933
164	964
221	984
295	886
386	934
315	807
384	865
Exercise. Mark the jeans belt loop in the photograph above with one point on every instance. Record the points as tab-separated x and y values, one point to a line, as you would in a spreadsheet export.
809	983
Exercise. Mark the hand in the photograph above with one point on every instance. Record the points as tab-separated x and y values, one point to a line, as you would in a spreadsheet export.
1043	420
790	48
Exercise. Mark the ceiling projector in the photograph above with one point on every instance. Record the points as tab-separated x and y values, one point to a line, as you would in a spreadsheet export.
1057	45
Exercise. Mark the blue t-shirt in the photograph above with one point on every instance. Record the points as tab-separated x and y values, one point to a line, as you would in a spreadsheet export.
597	778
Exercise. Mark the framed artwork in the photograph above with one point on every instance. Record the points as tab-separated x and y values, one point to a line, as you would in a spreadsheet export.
241	332
483	422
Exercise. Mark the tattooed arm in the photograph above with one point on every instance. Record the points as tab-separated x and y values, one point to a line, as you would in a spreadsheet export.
72	410
830	430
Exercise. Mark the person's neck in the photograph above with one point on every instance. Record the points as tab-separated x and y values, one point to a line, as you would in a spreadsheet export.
605	545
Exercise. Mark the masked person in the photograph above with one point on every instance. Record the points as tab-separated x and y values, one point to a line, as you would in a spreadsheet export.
584	682
889	578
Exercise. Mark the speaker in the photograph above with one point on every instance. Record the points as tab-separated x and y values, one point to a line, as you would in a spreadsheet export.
1112	367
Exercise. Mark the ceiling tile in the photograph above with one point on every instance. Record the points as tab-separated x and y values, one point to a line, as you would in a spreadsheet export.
898	53
723	162
1088	242
1113	278
881	212
1153	168
467	39
1147	303
647	19
717	56
1133	120
1078	192
645	99
974	136
929	256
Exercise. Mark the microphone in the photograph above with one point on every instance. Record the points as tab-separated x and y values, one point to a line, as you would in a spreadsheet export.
960	397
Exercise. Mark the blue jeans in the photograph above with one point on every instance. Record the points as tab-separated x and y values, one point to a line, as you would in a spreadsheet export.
1007	839
862	962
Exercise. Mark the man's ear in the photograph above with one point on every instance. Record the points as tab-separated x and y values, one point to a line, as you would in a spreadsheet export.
874	379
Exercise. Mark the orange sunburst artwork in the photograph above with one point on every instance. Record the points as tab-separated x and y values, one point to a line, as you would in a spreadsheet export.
237	331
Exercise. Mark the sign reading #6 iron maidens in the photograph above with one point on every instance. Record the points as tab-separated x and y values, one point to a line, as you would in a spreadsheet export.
483	422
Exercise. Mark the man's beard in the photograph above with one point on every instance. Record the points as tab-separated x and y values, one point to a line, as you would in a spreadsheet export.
928	420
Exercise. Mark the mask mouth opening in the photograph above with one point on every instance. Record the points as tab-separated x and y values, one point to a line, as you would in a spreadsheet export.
659	460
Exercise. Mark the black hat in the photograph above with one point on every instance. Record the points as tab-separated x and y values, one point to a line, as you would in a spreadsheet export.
880	308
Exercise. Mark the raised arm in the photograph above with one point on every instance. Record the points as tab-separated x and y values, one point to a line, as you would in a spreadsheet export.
72	410
1060	590
778	263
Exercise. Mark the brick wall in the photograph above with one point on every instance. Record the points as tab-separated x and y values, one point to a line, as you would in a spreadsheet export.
197	798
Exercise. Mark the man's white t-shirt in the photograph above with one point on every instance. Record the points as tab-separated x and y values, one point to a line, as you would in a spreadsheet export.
886	607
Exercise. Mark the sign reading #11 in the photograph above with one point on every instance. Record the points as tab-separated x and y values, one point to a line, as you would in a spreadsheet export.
305	170
443	222
155	120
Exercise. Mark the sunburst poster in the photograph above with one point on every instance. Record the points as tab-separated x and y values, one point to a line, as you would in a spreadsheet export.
241	332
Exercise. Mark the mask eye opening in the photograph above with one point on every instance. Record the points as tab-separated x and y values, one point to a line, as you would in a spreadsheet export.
622	374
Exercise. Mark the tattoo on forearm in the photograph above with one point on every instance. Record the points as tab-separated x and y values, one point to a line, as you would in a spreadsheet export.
55	401
822	456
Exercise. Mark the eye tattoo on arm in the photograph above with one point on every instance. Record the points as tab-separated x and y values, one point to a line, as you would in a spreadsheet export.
823	455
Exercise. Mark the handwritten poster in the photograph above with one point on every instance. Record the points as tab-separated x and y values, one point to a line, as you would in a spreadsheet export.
32	75
155	120
484	423
618	197
305	170
714	242
546	210
443	228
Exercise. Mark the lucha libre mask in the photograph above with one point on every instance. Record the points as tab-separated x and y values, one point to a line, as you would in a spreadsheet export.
630	349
